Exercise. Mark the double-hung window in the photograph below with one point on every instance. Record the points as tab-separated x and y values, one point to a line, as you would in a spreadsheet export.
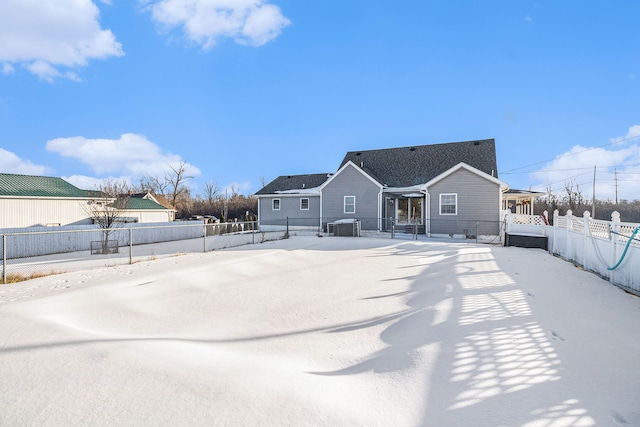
276	205
449	204
349	204
304	204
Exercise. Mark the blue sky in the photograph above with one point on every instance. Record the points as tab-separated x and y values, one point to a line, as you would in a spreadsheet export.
247	90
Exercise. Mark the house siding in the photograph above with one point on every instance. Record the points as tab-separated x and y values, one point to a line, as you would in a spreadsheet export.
290	208
351	182
478	208
24	212
149	216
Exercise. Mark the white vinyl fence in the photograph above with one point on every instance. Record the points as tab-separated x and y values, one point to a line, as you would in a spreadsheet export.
610	249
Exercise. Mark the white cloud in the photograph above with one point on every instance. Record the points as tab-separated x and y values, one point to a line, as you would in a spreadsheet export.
7	68
617	169
250	22
130	155
632	134
11	163
87	182
45	35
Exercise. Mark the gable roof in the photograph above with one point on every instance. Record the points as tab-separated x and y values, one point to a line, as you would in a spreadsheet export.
158	198
40	186
358	169
409	166
294	183
135	203
468	168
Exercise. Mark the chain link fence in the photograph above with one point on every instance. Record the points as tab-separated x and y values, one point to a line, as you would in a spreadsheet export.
470	229
38	251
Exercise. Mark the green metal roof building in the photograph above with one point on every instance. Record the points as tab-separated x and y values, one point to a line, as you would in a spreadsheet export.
31	200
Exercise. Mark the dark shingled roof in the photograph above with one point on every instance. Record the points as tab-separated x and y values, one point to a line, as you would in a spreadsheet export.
408	166
40	186
294	182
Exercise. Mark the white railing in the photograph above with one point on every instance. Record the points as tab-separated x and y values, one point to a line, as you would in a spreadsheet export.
610	249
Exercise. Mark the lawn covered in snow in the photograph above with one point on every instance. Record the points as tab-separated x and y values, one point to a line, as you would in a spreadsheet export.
323	331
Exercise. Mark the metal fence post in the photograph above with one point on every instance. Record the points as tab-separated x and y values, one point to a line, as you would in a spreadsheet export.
204	249
393	228
4	259
130	245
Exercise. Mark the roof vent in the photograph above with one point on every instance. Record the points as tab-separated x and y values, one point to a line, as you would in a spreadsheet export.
476	143
412	149
302	185
357	154
361	164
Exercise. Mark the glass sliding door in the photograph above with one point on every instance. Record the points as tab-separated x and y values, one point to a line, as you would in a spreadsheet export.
415	207
402	211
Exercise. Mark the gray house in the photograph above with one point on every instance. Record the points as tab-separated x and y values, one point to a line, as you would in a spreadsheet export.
438	189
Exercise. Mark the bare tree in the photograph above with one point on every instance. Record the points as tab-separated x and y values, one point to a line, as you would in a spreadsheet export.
211	192
108	208
263	181
235	191
177	181
153	184
172	185
573	197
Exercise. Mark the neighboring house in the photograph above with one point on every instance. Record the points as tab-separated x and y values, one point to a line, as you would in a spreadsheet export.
151	207
438	189
28	200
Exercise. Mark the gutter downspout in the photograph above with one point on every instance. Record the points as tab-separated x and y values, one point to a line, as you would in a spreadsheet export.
380	201
259	214
320	225
427	212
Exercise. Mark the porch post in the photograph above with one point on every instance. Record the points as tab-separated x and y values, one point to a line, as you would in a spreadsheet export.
427	215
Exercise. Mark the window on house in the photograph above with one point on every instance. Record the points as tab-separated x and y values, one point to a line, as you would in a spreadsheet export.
449	204
349	204
276	204
304	204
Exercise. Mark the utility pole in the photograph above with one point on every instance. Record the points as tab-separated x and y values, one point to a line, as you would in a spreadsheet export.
616	180
593	206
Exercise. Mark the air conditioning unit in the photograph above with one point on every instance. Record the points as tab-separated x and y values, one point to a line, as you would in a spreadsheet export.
345	227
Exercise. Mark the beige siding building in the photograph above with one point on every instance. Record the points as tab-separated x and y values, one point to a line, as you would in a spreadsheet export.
27	201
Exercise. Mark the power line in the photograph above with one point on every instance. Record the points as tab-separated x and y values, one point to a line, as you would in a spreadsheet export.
569	154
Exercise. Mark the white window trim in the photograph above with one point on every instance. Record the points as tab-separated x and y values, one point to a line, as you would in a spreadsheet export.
455	204
273	202
344	206
307	208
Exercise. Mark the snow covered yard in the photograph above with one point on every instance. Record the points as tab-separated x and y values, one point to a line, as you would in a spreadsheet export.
323	331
